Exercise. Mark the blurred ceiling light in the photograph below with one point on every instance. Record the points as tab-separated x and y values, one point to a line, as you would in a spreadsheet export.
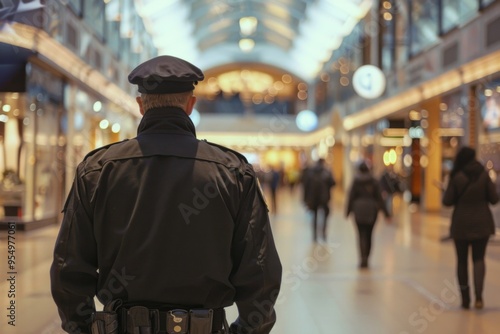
246	44
97	106
115	128
414	115
252	81
278	85
248	25
287	78
104	124
344	81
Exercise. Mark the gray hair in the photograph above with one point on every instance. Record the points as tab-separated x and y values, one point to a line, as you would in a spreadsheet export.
179	100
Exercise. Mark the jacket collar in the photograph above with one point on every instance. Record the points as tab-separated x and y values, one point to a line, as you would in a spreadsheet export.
166	120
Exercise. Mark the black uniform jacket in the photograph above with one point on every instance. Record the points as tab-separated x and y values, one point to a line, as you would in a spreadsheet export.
166	219
470	192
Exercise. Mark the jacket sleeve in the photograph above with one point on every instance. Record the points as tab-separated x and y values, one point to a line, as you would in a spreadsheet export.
331	180
350	200
257	270
73	273
492	194
449	194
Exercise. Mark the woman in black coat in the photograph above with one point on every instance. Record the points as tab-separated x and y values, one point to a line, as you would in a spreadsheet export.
470	191
365	201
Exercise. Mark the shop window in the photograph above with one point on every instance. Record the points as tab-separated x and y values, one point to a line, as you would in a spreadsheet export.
450	55
43	128
12	176
393	38
457	12
453	113
453	110
113	37
97	60
488	103
93	13
53	22
424	28
488	95
388	41
492	35
76	6
71	36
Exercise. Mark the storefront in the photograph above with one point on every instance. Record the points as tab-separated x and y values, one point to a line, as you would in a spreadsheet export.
33	146
487	94
48	123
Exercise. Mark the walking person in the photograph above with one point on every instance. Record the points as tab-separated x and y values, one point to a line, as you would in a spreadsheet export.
318	182
470	191
390	185
164	229
365	201
275	179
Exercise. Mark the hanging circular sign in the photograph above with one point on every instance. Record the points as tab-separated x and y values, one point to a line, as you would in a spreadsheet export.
369	81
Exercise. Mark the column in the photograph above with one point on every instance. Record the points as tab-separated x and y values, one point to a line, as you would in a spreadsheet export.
432	172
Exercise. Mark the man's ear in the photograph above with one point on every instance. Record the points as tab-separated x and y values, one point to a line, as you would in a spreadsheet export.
139	102
190	105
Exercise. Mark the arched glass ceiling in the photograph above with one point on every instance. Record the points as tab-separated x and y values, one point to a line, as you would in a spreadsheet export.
298	36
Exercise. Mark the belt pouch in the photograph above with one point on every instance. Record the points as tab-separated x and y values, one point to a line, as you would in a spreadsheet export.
139	321
177	321
200	321
104	323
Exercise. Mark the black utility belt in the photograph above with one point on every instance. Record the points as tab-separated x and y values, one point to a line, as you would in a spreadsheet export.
142	320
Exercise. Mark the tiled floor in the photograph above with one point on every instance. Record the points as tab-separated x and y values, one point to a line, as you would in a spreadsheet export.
409	288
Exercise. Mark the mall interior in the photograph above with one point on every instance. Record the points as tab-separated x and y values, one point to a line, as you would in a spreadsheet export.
399	84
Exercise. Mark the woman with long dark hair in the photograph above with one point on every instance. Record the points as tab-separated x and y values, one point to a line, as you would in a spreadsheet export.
470	191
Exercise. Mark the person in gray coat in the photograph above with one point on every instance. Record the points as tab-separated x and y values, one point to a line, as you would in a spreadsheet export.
470	191
365	201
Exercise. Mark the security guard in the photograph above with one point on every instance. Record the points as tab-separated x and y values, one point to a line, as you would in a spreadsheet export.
164	229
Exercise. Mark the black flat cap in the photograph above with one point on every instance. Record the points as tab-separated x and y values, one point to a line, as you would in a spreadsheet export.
165	75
